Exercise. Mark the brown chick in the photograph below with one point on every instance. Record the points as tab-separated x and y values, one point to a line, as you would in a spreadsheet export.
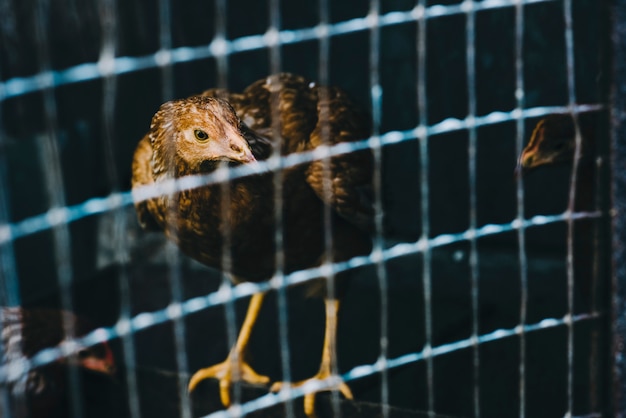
37	393
197	134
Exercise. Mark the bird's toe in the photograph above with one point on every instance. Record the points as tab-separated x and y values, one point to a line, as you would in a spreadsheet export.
226	373
337	384
219	371
248	374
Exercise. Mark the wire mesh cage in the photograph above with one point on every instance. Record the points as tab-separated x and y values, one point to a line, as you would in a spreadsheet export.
487	287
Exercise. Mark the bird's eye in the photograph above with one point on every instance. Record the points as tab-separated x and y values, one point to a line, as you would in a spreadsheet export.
201	135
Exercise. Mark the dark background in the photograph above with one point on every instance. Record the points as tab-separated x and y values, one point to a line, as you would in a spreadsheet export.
96	148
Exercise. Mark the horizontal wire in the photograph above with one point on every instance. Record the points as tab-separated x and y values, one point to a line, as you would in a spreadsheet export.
107	66
362	371
57	216
145	320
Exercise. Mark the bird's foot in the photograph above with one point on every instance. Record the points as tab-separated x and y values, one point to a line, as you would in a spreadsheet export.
337	384
227	372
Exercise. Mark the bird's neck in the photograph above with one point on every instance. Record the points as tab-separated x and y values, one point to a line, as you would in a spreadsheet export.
168	167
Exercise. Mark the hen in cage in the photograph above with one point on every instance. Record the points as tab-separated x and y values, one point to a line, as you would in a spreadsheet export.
280	115
40	392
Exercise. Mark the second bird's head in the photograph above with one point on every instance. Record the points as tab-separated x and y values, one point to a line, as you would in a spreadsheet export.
553	141
196	135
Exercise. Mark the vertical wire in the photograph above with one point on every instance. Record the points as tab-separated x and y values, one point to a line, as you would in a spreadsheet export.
422	135
10	289
218	43
219	39
219	48
521	230
108	19
9	292
323	121
571	94
277	165
381	272
172	254
472	163
323	79
51	161
165	47
226	261
72	12
124	325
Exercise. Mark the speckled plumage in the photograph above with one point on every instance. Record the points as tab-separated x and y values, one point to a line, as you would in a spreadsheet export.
281	114
301	108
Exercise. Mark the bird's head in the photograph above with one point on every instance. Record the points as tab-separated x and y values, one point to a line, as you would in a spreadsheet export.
25	332
195	135
553	141
97	358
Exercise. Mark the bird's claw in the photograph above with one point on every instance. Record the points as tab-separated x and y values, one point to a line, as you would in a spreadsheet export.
309	398
227	372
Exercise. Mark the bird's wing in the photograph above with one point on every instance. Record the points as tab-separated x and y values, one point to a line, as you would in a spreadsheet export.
142	176
349	190
287	100
310	116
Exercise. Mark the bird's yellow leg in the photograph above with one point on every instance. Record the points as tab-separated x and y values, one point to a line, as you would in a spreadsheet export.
235	367
328	363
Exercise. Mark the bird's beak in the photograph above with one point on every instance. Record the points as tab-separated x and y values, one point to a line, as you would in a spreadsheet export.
100	362
245	156
532	159
234	148
98	365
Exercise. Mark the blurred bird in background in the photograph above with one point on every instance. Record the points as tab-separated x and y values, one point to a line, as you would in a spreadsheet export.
279	115
552	143
40	392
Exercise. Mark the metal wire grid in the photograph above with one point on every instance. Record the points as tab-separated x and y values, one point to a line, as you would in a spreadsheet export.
109	67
